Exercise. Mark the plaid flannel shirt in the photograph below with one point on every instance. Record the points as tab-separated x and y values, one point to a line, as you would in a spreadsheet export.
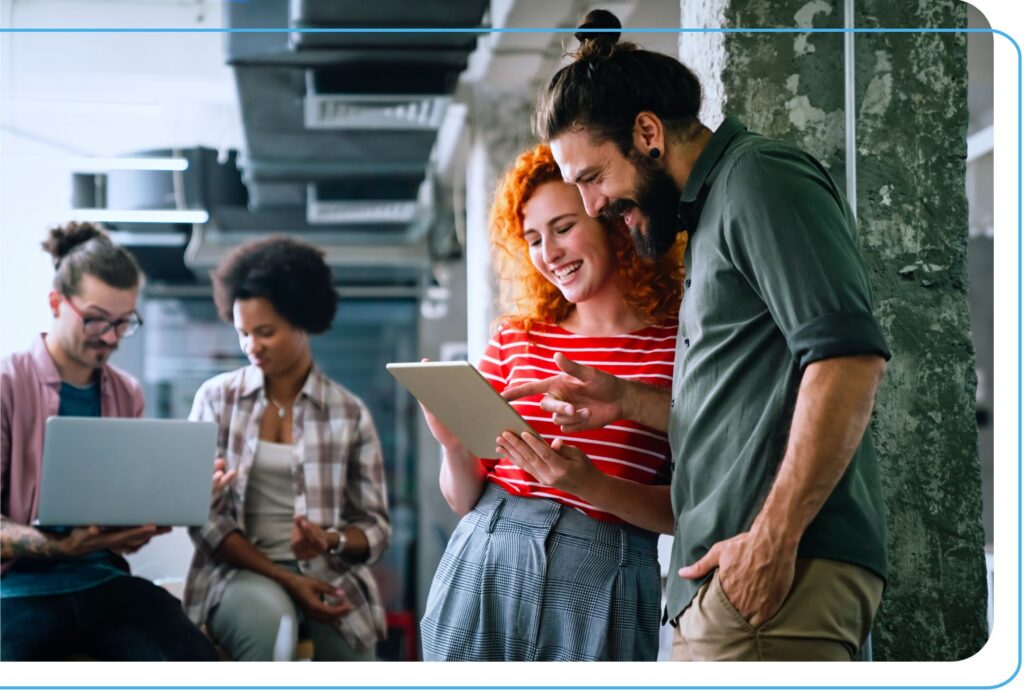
339	483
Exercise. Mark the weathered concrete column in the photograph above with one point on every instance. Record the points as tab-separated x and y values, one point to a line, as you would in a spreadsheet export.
499	129
912	210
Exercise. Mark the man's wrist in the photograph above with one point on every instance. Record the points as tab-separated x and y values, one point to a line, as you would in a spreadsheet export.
65	546
629	403
778	530
645	404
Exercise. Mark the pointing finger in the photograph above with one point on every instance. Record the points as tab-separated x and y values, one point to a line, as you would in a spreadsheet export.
572	368
527	389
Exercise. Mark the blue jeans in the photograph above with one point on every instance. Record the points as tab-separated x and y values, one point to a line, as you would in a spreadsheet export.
123	619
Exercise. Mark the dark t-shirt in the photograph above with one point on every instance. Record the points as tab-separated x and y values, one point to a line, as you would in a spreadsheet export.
45	577
79	401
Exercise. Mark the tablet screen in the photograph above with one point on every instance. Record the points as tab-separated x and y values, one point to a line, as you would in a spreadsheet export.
463	400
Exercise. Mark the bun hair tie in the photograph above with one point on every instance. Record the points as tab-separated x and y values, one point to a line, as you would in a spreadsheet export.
608	24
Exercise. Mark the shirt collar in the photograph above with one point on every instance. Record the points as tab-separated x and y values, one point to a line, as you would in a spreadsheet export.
314	389
709	157
47	368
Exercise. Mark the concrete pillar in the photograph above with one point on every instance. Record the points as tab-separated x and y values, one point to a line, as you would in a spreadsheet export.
499	129
912	209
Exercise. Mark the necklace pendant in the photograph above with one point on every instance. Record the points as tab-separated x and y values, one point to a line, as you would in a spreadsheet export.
280	411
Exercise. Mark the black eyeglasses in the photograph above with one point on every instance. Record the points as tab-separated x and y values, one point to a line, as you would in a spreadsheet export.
98	326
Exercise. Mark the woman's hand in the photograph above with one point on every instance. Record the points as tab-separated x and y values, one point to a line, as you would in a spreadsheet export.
570	470
222	478
462	474
308	540
445	437
558	465
320	600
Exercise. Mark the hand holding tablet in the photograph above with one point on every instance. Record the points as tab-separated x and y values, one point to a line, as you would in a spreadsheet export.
458	395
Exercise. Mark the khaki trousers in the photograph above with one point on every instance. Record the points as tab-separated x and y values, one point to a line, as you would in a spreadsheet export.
826	617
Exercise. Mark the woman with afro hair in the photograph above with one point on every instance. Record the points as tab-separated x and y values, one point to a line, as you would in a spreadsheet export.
555	557
304	510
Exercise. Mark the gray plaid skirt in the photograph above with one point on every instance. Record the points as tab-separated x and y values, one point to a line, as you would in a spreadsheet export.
526	579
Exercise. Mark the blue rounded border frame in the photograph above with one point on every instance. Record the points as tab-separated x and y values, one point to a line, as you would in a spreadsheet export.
640	30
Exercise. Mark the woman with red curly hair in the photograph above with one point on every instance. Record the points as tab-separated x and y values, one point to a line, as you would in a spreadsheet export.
558	561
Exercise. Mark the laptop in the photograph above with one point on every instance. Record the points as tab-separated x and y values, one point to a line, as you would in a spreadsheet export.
126	472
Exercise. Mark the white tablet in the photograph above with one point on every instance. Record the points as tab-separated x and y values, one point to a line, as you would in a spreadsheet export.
462	399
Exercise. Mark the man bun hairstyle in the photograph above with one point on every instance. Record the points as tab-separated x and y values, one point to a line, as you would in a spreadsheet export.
84	248
609	82
601	42
292	275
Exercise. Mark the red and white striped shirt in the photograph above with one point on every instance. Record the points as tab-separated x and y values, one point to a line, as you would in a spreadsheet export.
624	449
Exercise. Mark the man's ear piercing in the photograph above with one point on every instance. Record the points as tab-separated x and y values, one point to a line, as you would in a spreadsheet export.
655	152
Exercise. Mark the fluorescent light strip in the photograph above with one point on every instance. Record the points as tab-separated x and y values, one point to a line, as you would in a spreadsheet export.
129	163
139	215
149	239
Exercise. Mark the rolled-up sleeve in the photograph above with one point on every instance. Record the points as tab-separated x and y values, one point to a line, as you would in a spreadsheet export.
223	513
788	233
366	498
221	523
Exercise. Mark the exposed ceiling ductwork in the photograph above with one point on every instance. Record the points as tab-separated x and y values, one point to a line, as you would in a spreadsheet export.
357	140
339	128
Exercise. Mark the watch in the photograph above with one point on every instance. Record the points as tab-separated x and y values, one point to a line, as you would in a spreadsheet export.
337	550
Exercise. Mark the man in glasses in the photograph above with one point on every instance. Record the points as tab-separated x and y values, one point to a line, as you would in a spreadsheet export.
70	592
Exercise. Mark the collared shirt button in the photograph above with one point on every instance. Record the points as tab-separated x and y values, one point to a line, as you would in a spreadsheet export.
672	403
686	284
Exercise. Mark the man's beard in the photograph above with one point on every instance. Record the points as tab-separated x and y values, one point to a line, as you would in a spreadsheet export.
88	356
657	198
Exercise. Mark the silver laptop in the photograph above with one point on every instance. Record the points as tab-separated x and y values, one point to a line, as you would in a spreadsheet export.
126	472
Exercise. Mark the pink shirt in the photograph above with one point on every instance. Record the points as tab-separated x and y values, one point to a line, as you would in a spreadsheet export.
29	394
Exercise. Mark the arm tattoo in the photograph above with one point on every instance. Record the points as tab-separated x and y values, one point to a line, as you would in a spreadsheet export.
18	540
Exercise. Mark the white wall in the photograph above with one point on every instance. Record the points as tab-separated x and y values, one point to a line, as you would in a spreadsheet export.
80	94
83	94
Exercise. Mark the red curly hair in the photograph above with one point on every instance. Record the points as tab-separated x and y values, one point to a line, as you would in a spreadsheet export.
652	289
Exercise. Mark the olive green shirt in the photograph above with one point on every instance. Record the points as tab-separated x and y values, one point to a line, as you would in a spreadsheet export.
775	281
